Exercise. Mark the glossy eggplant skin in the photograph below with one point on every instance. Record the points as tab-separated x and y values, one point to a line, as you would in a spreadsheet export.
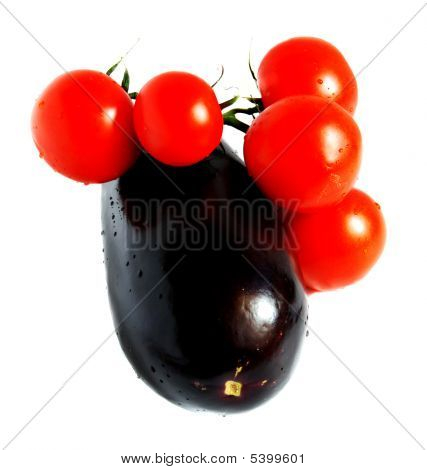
208	329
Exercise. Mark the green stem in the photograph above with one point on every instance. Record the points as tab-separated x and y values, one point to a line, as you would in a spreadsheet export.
251	70
257	101
231	120
250	111
219	78
229	102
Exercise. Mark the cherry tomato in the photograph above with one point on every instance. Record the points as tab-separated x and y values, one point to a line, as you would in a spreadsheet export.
178	119
304	151
307	66
82	126
337	245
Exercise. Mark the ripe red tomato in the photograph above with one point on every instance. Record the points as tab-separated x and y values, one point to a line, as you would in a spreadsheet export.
303	151
337	245
82	126
307	66
177	118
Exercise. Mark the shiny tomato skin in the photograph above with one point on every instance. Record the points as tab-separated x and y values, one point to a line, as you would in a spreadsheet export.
307	66
336	246
82	125
177	118
304	151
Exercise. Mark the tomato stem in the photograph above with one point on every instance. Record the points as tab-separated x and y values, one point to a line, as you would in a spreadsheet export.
219	78
232	121
229	102
257	101
250	111
230	118
251	70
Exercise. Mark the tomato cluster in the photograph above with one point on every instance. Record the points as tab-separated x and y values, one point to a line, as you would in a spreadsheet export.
303	149
304	152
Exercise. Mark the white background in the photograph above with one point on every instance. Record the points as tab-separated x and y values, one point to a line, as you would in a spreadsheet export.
53	302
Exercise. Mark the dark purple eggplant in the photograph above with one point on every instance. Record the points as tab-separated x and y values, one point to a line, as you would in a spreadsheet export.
208	325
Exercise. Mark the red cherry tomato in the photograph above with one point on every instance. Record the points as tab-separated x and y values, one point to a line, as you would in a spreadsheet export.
338	245
178	119
307	66
82	125
303	151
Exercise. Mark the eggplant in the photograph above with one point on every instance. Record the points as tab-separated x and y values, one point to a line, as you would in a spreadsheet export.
209	325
